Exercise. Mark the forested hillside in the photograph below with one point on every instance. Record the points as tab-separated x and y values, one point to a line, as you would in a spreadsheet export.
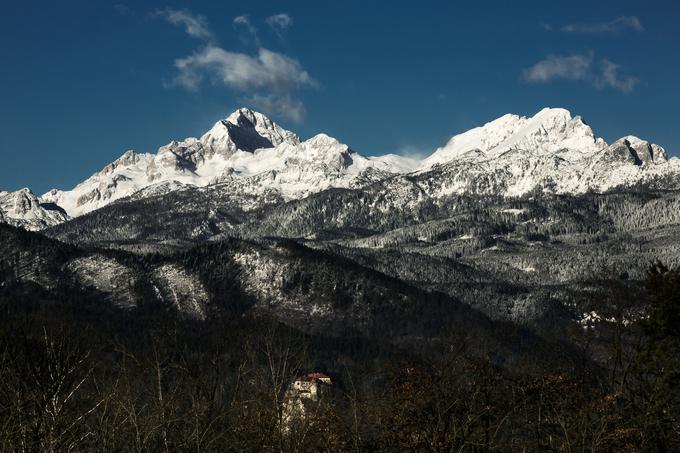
79	375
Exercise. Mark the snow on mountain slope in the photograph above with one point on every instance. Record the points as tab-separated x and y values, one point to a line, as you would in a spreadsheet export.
248	154
551	151
314	165
549	131
22	208
191	161
245	145
246	130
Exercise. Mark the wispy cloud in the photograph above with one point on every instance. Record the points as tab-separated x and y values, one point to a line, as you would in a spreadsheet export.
610	77
571	67
283	105
617	25
194	25
279	23
580	67
249	32
414	152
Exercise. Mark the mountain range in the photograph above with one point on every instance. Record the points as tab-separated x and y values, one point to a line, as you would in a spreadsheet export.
248	157
522	223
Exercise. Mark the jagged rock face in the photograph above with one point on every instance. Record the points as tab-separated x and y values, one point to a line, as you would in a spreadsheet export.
246	130
639	152
22	208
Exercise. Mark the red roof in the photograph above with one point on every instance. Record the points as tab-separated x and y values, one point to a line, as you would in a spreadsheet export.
317	376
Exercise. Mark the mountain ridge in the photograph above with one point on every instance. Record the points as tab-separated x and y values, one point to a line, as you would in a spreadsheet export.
552	151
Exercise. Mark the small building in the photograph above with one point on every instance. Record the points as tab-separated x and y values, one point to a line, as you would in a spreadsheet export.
303	396
310	386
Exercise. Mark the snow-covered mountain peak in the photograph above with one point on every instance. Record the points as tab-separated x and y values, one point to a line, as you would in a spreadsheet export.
245	130
246	149
250	154
245	116
548	131
129	158
642	151
22	200
23	208
553	112
326	142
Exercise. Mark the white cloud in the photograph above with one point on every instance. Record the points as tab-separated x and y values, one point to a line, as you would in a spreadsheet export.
266	79
279	22
243	23
414	152
266	70
282	105
243	20
572	67
611	77
194	25
613	26
580	67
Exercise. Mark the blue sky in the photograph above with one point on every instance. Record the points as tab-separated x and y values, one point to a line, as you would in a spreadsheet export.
84	81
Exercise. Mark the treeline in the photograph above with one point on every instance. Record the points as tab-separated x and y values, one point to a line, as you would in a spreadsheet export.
75	378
